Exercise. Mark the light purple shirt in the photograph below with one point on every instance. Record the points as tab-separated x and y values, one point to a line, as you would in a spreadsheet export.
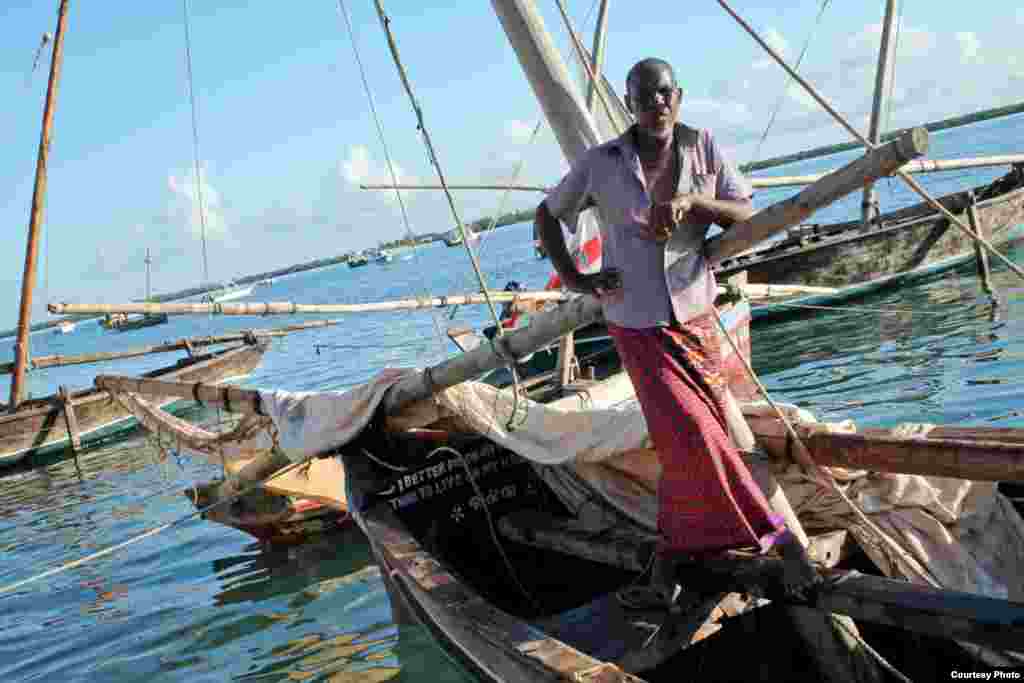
659	280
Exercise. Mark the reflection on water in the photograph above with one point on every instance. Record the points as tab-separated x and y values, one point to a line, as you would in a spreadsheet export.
922	353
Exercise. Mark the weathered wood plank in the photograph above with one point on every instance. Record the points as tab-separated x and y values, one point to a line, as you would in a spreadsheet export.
68	407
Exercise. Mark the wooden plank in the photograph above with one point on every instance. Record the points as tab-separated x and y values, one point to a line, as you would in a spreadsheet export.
980	255
68	408
290	308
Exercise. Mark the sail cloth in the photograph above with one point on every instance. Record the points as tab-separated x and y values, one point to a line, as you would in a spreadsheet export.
964	533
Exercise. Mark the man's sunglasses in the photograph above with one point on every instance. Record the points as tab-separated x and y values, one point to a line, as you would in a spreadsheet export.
648	99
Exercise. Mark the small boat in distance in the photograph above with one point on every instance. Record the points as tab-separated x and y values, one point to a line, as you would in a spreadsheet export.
357	260
121	322
384	256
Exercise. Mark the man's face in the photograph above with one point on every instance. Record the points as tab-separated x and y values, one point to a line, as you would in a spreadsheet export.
654	100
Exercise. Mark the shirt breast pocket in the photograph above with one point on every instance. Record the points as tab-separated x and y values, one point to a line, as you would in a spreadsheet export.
705	184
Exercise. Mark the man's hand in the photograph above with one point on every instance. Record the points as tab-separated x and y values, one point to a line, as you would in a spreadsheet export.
667	216
597	284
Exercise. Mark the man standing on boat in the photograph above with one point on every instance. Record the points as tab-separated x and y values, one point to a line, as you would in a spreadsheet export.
658	187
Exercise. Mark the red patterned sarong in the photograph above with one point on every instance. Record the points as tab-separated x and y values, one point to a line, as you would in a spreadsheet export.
707	499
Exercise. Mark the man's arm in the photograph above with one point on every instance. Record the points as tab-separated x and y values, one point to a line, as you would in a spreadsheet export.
551	237
722	212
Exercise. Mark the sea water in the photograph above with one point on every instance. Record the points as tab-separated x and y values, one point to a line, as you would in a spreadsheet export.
204	602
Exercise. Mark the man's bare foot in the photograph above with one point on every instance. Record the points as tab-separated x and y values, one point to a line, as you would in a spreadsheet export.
800	579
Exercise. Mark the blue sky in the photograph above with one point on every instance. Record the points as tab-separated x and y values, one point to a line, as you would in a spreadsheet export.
286	134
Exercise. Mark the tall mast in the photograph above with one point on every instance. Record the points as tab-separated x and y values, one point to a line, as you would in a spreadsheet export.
148	262
598	52
28	280
869	205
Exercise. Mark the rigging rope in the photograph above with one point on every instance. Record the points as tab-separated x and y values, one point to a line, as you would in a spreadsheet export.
432	155
195	140
343	10
785	84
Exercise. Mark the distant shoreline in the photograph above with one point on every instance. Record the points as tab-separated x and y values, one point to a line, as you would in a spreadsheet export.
508	219
952	122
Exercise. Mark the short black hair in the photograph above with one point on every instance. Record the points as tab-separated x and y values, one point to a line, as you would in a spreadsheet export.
650	64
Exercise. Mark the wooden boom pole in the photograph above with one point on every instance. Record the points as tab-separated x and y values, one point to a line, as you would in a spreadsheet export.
28	280
880	162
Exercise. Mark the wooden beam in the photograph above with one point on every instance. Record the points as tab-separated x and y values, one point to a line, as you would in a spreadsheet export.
877	163
188	345
231	398
70	419
289	308
752	290
980	255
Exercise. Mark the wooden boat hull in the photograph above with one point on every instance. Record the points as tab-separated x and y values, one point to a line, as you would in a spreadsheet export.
555	616
914	241
39	426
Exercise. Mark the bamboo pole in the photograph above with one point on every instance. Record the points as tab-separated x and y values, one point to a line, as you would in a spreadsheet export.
751	290
917	166
41	362
879	162
28	280
289	308
913	184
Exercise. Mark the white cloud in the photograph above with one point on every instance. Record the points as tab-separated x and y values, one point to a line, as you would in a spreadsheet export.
360	169
196	206
910	41
356	169
970	47
517	131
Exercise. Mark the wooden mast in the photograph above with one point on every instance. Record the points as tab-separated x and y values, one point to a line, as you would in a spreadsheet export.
148	261
883	77
28	280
